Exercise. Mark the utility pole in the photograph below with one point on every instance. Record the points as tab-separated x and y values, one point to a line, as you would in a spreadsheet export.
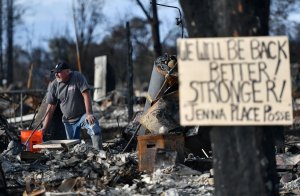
9	64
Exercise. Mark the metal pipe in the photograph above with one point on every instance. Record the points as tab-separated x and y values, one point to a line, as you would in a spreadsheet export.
179	21
133	135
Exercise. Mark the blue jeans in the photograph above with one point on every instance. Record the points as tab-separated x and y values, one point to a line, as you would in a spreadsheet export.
73	129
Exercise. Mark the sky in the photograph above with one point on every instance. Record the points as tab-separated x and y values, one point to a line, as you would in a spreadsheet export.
44	19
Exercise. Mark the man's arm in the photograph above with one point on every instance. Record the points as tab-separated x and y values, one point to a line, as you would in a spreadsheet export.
48	116
88	106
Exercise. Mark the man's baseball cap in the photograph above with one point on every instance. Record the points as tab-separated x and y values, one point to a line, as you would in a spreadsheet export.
59	67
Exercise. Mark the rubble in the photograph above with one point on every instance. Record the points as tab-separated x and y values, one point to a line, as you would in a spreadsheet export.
86	171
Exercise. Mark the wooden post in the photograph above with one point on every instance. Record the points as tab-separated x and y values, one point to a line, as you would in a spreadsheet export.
1	52
76	40
10	31
129	75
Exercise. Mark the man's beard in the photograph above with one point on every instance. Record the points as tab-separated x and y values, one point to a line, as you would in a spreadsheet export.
58	79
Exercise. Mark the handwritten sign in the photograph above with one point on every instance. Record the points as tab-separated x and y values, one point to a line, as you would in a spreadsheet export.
234	81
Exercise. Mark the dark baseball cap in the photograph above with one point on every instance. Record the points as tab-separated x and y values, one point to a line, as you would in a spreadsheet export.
59	67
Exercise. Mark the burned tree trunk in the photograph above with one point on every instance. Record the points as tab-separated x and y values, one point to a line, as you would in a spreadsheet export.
244	157
226	18
155	30
154	26
244	161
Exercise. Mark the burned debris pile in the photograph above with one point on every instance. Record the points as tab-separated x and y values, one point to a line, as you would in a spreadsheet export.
92	170
122	167
86	171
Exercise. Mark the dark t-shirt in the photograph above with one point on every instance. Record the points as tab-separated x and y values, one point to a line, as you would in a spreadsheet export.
69	96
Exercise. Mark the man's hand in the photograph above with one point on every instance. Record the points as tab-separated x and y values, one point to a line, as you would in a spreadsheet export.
90	119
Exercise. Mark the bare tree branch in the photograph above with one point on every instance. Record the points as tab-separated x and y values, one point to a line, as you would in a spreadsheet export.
144	10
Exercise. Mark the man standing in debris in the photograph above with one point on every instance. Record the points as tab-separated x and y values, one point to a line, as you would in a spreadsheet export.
71	91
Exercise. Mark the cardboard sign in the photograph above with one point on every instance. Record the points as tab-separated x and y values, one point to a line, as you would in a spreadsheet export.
234	81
